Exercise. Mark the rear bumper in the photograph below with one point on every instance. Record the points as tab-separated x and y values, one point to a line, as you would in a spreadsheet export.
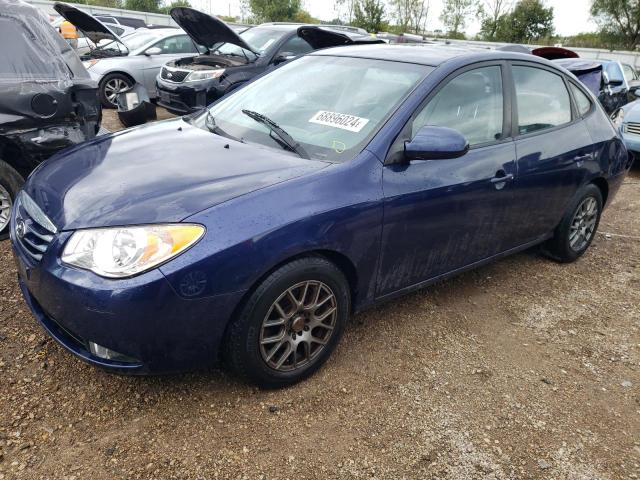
142	318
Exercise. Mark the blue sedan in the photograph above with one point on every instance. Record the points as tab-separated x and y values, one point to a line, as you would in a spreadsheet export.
251	231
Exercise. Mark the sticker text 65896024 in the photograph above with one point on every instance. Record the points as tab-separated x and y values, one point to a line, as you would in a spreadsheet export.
340	120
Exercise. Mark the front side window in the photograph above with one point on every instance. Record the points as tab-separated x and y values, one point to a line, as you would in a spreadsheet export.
331	106
177	44
472	103
296	46
542	98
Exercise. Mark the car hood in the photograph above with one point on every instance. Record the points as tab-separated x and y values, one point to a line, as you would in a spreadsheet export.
91	27
206	30
164	172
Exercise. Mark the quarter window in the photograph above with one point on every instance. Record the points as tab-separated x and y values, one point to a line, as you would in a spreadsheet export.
471	103
543	99
582	101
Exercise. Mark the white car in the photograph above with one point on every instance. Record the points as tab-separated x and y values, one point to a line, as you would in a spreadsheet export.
118	63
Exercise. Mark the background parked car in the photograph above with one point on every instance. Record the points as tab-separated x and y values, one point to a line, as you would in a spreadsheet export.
615	84
231	59
121	62
627	120
122	21
48	100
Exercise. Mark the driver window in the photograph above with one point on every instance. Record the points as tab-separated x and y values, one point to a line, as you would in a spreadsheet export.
471	103
177	44
296	46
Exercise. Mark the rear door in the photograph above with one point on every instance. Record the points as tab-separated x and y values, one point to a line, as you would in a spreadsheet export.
442	215
553	148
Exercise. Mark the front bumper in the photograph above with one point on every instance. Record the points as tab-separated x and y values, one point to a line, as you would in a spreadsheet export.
632	142
141	317
185	98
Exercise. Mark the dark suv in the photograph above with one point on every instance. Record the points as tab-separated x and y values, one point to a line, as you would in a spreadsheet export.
230	59
47	99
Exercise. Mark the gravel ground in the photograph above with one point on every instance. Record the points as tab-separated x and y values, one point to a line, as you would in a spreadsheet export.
521	369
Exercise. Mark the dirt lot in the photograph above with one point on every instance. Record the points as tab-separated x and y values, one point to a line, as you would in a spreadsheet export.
522	369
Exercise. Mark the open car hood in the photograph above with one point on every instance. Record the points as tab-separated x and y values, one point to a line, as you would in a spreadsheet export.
206	30
91	27
322	37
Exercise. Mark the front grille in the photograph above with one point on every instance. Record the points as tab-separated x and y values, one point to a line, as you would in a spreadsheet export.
32	228
633	128
175	76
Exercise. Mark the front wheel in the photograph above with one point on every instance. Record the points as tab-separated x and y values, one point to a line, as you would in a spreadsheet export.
290	325
110	86
10	184
578	228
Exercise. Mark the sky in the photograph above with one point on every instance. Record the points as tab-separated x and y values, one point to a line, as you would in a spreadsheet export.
571	16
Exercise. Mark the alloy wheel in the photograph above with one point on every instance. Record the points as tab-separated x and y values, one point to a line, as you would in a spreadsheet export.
298	326
113	87
583	224
5	208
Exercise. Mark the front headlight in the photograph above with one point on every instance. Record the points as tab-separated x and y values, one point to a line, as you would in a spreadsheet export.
196	76
126	251
618	118
89	63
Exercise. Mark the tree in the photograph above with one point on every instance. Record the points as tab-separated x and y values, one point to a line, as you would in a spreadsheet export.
618	18
275	10
349	6
152	6
369	14
410	15
455	14
490	11
176	3
530	20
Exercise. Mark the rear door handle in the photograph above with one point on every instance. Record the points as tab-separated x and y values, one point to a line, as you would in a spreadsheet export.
505	178
583	158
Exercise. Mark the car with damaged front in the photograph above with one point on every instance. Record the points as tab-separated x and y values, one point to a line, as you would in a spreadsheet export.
232	59
250	232
48	102
627	120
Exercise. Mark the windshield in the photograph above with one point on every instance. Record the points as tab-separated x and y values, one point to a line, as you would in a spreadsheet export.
259	39
330	106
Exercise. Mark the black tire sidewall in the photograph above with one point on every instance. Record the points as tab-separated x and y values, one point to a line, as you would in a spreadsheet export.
110	76
563	248
12	181
246	357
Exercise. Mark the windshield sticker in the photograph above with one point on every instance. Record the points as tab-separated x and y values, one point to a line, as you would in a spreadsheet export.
339	120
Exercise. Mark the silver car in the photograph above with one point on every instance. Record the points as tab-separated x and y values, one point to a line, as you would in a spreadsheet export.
119	63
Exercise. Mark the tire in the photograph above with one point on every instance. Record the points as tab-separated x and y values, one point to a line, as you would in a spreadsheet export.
112	80
565	246
249	340
10	184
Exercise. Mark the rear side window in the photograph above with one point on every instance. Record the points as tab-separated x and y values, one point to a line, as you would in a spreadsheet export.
177	44
582	101
543	99
471	103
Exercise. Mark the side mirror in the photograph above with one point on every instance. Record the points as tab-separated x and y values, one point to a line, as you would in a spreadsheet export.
436	143
153	51
283	57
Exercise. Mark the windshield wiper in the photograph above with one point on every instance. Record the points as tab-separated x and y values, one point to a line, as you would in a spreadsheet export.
284	139
211	125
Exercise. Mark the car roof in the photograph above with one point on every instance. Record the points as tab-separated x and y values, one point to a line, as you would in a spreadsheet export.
425	54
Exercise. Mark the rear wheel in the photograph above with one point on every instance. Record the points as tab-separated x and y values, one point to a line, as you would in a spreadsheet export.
10	184
110	86
290	325
578	227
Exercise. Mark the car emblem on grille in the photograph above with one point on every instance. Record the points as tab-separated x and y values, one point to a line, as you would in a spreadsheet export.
21	229
169	75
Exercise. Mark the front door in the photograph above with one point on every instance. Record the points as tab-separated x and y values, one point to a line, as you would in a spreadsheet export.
442	215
